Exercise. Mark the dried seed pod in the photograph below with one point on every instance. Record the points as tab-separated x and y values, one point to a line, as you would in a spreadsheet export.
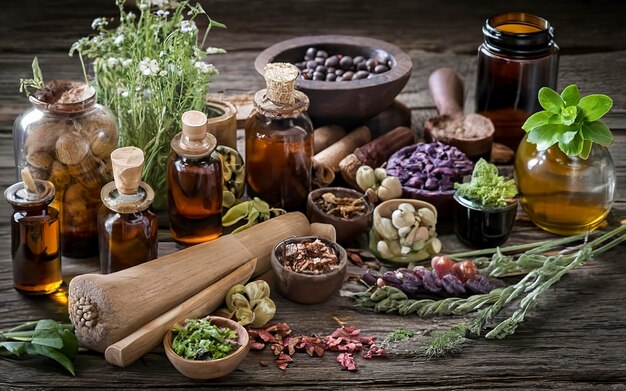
40	142
103	143
98	121
71	148
386	230
427	216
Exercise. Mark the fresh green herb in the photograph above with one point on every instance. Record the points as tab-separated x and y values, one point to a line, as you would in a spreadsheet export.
569	120
36	82
44	337
399	334
149	70
486	187
447	342
199	339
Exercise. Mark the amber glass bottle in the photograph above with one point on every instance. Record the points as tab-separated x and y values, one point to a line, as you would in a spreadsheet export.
516	59
279	141
195	183
127	227
35	237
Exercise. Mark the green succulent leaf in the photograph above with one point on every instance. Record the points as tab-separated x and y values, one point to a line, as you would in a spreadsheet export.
595	106
570	95
569	114
584	154
597	132
545	136
550	100
573	147
537	119
567	137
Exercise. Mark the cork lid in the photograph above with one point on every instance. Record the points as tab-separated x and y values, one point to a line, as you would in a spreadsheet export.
30	192
194	125
127	166
280	78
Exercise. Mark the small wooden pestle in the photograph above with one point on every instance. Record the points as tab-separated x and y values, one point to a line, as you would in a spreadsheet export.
471	133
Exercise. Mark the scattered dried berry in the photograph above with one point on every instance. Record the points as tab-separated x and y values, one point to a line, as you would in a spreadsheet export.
347	361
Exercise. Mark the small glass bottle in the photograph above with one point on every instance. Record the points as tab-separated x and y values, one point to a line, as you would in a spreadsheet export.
279	141
35	236
516	59
127	227
195	183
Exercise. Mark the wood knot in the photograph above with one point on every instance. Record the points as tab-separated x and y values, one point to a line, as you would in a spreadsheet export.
84	313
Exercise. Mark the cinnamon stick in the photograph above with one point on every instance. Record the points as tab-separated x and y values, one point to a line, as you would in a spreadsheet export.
326	136
375	153
326	162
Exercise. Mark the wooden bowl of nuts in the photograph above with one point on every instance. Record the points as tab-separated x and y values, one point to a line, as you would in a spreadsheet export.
349	211
309	269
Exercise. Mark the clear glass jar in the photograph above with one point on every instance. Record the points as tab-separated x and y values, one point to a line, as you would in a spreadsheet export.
69	143
516	59
562	194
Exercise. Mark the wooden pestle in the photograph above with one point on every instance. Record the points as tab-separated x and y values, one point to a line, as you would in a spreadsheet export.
106	308
326	136
326	163
130	349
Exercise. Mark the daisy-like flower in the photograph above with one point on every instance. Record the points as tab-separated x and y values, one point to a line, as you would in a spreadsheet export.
98	22
123	92
112	62
163	13
118	40
148	67
187	26
126	61
203	67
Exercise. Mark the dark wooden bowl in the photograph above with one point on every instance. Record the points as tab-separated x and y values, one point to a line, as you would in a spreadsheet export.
346	103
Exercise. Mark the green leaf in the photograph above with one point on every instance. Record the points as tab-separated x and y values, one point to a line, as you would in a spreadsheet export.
13	348
537	119
70	343
46	334
550	100
568	116
597	132
37	75
570	95
595	106
567	137
574	147
217	24
545	136
52	353
584	153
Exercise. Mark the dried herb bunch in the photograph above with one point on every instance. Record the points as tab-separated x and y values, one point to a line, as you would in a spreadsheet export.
149	70
343	207
309	257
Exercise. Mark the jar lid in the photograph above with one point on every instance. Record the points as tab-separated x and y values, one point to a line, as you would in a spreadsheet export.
64	97
127	203
19	195
280	98
518	33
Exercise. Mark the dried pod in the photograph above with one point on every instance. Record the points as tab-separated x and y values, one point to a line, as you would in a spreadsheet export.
244	315
41	141
98	121
401	218
365	177
427	217
228	299
103	143
71	148
380	174
385	229
390	188
257	290
264	311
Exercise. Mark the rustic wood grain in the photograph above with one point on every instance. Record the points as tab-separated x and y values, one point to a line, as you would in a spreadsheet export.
575	337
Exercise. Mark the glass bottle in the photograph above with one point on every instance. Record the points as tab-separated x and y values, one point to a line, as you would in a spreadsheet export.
279	141
517	58
562	194
195	183
34	236
66	137
127	227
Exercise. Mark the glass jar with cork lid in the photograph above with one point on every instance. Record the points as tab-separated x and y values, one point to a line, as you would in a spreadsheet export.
279	141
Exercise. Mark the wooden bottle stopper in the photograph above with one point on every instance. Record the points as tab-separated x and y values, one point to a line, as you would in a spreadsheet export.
29	182
127	166
194	125
280	78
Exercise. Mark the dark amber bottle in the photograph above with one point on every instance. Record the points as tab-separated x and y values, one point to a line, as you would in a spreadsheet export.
127	227
195	183
279	141
35	237
516	59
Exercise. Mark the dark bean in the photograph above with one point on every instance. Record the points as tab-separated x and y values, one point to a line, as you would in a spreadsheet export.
361	66
322	54
321	69
360	75
301	65
310	52
346	62
381	68
332	61
318	76
331	77
311	64
390	64
371	64
331	70
348	75
320	60
359	59
339	72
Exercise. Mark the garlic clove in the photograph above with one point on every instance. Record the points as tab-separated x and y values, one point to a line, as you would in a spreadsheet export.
405	206
400	218
427	216
404	231
385	229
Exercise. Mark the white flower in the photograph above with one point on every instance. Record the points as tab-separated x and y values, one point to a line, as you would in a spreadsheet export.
123	92
112	62
203	67
187	26
130	16
98	22
149	67
212	50
147	93
118	40
163	73
161	53
163	13
126	61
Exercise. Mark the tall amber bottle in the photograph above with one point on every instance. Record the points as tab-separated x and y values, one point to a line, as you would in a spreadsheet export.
127	227
279	141
516	59
195	183
35	238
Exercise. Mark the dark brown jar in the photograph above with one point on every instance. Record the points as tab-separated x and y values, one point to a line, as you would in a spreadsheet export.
279	141
127	227
516	59
195	183
35	242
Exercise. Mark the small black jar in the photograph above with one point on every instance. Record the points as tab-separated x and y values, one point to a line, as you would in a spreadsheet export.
482	227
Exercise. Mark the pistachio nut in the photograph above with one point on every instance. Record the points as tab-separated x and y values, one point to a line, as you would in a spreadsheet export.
389	189
365	177
400	218
384	227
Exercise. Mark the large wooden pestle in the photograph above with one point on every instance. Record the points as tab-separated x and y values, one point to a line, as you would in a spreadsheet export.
106	308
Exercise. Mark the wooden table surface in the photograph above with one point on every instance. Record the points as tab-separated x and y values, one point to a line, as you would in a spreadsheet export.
575	337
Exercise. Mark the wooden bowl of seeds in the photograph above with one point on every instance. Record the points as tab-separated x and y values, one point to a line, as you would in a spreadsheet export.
308	269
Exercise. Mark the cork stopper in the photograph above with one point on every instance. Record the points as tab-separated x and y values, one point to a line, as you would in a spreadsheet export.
29	182
127	166
280	78
194	125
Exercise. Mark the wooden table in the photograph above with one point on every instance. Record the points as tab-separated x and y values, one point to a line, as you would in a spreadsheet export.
574	339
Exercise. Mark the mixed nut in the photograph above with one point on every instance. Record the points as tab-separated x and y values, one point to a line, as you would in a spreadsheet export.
309	257
320	65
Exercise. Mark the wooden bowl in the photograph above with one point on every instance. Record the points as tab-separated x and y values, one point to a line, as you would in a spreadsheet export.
210	369
385	209
308	288
346	103
346	229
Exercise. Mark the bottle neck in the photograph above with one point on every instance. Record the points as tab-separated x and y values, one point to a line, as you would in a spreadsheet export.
127	203
184	146
518	34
